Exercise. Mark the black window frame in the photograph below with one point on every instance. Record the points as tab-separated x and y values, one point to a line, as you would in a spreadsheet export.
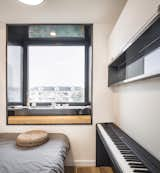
65	41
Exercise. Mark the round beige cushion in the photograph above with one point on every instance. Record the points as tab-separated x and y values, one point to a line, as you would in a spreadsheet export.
32	138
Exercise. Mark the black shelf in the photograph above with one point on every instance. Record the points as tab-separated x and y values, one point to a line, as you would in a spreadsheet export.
129	60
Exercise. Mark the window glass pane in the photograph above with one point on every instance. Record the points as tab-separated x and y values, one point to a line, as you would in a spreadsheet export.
49	31
14	74
56	73
152	62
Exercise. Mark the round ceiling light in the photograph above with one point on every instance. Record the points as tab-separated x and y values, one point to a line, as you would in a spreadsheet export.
31	2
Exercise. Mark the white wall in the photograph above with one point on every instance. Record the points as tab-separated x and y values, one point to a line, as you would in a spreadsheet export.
82	137
138	112
136	105
132	20
62	11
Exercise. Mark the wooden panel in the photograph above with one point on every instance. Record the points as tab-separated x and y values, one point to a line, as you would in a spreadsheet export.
69	119
69	169
88	169
106	170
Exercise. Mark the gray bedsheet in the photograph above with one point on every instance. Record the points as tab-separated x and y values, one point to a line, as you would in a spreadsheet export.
47	158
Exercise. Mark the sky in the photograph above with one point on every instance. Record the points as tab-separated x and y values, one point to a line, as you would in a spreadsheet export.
56	66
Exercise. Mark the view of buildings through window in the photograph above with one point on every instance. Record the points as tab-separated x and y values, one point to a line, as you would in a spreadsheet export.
56	74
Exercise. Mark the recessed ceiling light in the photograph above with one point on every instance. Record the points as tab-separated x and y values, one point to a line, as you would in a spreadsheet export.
31	2
53	34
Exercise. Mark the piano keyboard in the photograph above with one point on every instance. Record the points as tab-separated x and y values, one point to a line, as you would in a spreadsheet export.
127	160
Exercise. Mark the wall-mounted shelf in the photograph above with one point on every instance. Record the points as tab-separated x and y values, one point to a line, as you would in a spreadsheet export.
140	60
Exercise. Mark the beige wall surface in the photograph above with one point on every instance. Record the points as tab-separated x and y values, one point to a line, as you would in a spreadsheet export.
82	137
62	11
138	112
136	105
131	21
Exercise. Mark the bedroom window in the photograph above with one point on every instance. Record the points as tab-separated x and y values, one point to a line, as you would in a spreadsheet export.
52	71
55	82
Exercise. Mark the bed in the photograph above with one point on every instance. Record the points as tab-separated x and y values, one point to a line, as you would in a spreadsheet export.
47	158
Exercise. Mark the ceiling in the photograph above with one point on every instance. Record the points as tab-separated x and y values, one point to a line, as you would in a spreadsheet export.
62	11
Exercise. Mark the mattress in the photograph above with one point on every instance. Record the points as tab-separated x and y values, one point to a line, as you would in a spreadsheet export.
47	158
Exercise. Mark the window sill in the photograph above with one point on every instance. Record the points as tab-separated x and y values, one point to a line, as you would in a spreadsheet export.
48	120
42	111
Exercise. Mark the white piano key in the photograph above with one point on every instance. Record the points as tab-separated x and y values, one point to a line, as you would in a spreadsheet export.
139	169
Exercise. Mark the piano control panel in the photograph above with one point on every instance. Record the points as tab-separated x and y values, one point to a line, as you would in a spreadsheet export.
115	148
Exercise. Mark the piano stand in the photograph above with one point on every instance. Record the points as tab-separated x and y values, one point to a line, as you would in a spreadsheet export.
102	158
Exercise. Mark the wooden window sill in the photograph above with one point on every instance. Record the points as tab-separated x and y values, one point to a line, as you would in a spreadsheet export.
47	120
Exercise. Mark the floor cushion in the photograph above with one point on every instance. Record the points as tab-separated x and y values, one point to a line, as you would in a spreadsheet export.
32	138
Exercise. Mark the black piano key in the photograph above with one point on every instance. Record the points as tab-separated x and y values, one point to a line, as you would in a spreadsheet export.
115	141
130	157
122	147
123	150
115	138
138	166
126	152
146	171
133	163
132	160
120	143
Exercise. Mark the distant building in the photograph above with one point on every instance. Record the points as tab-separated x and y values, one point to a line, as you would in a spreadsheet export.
56	94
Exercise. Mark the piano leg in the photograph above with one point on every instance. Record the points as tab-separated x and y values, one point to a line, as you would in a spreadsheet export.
102	158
